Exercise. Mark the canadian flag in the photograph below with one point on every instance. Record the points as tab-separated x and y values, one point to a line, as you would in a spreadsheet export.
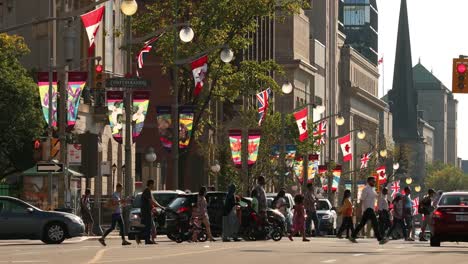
92	21
345	143
199	70
381	171
301	120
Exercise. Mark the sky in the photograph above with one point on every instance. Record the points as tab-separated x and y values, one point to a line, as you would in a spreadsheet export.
439	33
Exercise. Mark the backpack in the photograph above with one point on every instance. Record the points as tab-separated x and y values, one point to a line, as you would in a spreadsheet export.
425	205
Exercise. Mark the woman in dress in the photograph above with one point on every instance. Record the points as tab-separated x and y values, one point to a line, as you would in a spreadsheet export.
299	218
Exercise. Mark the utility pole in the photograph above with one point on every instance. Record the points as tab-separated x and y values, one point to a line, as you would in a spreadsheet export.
175	142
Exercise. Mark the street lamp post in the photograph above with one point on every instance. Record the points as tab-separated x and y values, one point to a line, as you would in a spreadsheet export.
151	158
128	8
287	88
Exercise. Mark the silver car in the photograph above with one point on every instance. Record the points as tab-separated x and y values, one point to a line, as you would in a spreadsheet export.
20	220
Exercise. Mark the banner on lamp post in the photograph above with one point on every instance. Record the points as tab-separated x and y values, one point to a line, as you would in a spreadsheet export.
186	115
140	109
115	112
164	120
76	83
235	142
43	85
312	167
253	146
298	167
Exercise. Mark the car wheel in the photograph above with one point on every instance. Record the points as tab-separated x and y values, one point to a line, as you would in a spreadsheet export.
202	236
277	234
435	242
54	233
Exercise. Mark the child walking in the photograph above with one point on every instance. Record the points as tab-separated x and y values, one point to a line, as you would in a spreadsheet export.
299	218
346	211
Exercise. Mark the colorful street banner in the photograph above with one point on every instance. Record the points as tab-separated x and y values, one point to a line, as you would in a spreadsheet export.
254	146
360	187
140	109
76	83
164	119
298	168
312	167
322	171
235	141
43	85
115	108
348	185
336	179
186	115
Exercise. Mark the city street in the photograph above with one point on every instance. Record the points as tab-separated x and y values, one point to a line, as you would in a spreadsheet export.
321	250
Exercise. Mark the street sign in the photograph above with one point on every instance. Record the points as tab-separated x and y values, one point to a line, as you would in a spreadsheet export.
50	167
127	83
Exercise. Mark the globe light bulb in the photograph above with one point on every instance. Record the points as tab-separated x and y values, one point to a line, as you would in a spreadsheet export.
287	87
227	55
186	34
417	188
129	7
396	166
409	180
340	120
361	134
383	153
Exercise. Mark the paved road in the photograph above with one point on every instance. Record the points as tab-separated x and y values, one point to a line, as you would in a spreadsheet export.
321	250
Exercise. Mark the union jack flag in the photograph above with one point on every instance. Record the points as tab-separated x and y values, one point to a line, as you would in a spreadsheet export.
262	103
146	48
365	160
395	188
320	131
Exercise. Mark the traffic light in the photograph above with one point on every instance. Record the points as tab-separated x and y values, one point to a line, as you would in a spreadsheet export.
98	77
460	76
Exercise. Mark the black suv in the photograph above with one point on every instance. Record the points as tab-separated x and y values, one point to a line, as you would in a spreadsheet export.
180	209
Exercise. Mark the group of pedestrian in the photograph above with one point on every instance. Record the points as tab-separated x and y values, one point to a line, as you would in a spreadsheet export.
304	212
382	226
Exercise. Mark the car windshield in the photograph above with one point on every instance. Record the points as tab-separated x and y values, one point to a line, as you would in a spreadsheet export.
183	201
323	205
454	200
162	198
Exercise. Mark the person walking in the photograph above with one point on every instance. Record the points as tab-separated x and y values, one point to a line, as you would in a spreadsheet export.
346	211
298	218
117	204
398	219
384	213
230	219
368	198
148	204
408	213
310	201
202	212
426	207
85	208
261	195
280	203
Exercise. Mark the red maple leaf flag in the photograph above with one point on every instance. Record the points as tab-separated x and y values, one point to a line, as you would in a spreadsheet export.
381	61
346	147
91	22
199	70
381	171
301	120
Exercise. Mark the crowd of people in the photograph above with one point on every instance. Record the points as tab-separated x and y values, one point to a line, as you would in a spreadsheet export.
299	223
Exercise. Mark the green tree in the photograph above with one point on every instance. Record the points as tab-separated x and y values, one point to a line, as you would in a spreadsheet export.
20	110
445	177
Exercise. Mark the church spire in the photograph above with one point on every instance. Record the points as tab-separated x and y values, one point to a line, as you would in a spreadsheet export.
403	95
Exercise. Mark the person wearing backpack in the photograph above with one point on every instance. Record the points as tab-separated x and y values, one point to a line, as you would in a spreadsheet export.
426	207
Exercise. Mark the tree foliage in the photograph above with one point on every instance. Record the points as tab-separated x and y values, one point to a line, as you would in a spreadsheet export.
20	111
445	177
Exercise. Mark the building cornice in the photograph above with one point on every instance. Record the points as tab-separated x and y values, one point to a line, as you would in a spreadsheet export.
294	64
368	98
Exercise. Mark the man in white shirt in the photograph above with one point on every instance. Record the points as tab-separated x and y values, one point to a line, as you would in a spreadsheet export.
368	198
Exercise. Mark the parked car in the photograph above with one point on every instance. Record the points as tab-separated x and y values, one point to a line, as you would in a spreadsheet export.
163	198
180	209
450	219
327	216
20	220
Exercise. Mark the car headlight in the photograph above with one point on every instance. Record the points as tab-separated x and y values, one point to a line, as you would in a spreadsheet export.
134	217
